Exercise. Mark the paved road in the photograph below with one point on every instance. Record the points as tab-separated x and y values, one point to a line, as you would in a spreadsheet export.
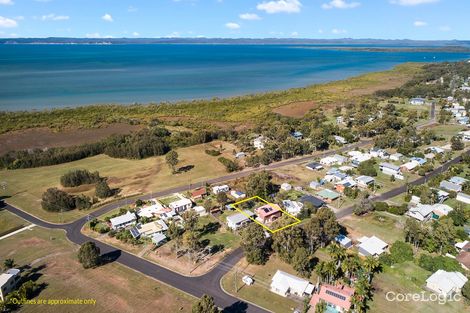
210	282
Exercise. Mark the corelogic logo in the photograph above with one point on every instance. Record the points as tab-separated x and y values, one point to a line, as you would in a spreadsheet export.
422	296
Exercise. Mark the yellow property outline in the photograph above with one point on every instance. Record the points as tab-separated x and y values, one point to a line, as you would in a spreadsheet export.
297	221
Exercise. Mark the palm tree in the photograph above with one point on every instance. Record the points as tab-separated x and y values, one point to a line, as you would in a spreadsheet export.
350	265
371	265
331	271
337	252
320	270
320	307
362	293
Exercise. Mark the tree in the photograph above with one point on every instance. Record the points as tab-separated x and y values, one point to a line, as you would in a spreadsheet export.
320	307
255	244
82	202
55	200
458	216
367	168
172	160
222	199
337	253
205	305
321	229
89	255
9	263
191	242
301	262
456	143
401	252
190	218
102	189
259	184
371	265
174	231
286	242
365	206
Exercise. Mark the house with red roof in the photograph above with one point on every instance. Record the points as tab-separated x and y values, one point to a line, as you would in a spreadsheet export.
199	193
268	213
337	298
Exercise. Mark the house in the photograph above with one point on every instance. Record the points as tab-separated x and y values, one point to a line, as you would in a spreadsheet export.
297	135
239	220
328	195
181	205
458	180
314	201
219	189
421	212
259	142
240	155
417	101
123	220
200	210
465	135
8	282
365	181
447	185
335	177
292	207
337	298
268	213
158	239
147	230
314	184
462	197
155	208
409	166
314	166
396	157
237	194
285	284
440	210
379	153
343	241
340	140
464	256
345	183
442	195
390	169
436	150
286	186
371	246
198	194
332	160
446	283
420	161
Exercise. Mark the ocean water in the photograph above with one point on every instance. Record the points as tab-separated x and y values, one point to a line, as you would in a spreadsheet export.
47	76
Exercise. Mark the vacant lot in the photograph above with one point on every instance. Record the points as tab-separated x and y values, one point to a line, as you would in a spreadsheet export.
34	138
26	186
115	287
407	278
386	226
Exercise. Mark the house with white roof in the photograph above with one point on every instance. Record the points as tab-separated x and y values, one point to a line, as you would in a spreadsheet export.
200	210
465	135
181	205
239	220
155	208
123	220
396	157
417	101
237	194
148	229
292	207
440	209
219	189
332	160
286	186
340	140
285	284
458	180
371	246
8	282
446	283
447	185
259	142
462	197
409	166
421	212
379	153
391	169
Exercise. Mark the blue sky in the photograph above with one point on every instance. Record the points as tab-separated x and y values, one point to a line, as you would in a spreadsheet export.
384	19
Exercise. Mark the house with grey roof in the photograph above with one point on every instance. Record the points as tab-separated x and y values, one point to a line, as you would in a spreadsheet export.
462	197
447	185
123	220
446	283
391	169
239	220
8	282
371	246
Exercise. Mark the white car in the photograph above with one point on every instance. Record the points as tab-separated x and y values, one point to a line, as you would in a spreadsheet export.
248	280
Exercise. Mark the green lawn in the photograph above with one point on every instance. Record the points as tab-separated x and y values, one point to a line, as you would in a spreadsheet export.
26	186
407	278
221	236
10	222
386	226
115	287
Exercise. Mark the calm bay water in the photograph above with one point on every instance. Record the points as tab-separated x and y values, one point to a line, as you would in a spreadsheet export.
46	76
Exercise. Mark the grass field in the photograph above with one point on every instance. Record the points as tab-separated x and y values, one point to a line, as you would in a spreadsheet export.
407	278
115	287
386	226
10	222
25	186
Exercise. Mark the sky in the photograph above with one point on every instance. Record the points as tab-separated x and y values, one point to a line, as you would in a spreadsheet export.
379	19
